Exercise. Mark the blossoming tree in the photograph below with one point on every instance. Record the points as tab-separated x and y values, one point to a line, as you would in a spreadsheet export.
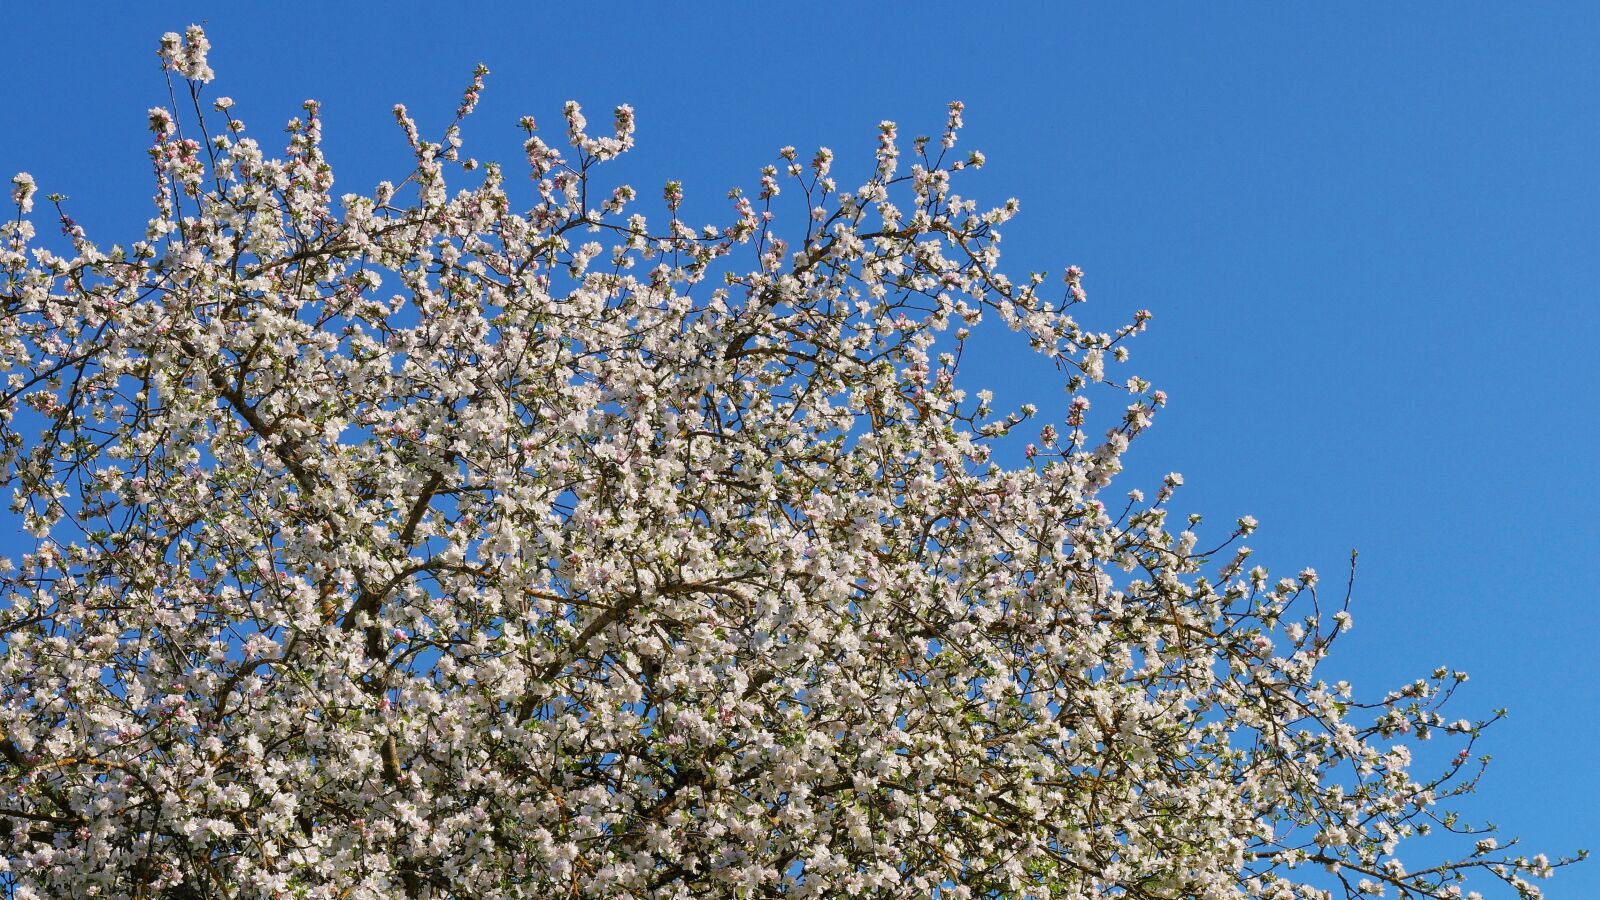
436	543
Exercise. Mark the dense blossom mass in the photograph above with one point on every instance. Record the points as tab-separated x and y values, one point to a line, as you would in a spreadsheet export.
433	542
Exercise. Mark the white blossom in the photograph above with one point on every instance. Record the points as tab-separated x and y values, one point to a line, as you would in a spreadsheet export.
414	545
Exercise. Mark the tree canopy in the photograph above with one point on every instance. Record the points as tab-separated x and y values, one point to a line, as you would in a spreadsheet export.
471	539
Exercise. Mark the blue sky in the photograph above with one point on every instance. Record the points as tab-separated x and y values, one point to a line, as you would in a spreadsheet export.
1369	234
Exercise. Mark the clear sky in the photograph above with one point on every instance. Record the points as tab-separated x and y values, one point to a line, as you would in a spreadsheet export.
1369	233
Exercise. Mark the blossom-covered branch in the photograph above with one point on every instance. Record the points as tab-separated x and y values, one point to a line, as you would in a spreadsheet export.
463	539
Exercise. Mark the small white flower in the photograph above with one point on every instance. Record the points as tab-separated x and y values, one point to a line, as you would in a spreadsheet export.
22	190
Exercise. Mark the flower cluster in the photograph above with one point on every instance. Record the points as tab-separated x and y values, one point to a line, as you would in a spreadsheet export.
187	55
433	542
